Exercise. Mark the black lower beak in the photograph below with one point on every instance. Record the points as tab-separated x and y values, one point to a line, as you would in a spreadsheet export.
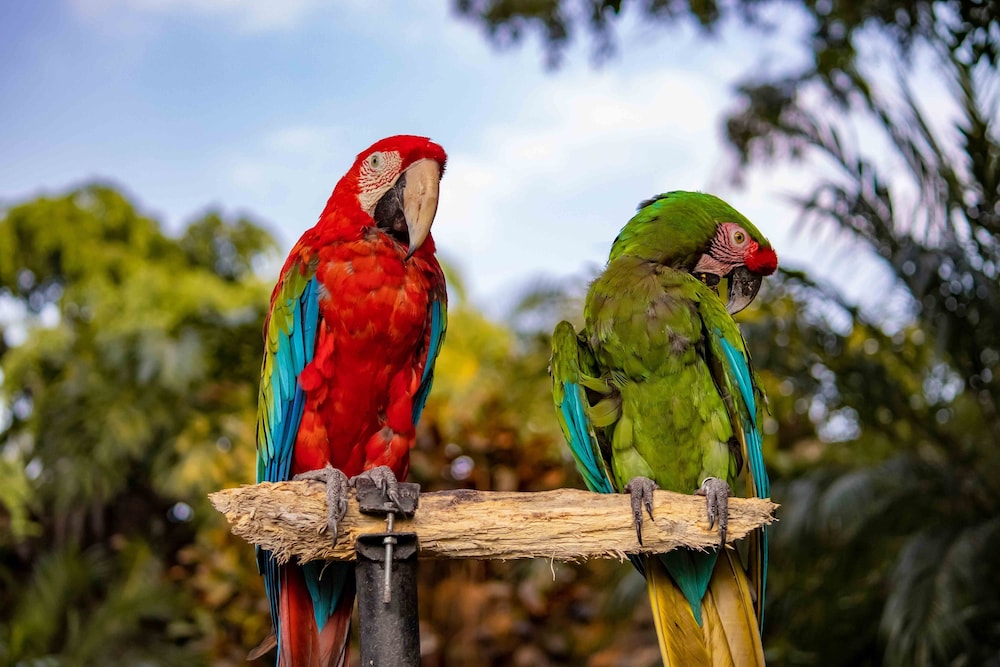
388	213
743	288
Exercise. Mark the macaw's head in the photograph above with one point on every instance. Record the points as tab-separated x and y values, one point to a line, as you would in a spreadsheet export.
703	235
393	186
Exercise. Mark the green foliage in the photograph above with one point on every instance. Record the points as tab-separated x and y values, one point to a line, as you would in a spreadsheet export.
834	26
15	501
125	385
78	609
910	492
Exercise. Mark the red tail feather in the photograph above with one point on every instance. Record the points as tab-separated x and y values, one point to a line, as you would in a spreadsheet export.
301	644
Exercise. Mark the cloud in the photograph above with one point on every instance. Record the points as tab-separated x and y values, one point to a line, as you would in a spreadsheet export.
285	175
251	16
549	187
309	140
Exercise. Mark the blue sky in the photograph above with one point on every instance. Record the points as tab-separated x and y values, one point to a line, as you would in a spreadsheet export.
256	106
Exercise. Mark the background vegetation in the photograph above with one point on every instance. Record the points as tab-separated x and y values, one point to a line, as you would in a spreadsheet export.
129	362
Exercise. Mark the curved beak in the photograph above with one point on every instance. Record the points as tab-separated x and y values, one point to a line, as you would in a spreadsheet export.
420	200
406	211
743	287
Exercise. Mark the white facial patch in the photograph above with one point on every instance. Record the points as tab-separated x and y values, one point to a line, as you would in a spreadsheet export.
377	174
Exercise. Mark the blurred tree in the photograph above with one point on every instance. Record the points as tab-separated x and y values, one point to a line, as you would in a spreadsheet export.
128	374
910	493
885	418
834	24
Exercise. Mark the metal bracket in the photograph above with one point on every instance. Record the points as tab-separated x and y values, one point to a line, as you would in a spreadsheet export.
372	500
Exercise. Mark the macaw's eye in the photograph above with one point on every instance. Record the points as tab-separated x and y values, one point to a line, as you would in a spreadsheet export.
375	161
739	237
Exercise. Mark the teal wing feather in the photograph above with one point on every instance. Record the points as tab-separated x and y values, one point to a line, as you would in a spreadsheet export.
437	316
290	340
737	365
572	369
734	376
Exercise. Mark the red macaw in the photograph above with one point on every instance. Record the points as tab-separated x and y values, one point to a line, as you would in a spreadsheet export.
356	322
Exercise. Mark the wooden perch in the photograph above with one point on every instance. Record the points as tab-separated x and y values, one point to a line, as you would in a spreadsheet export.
289	519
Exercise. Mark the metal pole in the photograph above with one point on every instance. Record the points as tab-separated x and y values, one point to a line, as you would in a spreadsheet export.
386	575
390	630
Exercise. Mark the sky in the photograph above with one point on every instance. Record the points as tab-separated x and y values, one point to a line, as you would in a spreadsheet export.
258	107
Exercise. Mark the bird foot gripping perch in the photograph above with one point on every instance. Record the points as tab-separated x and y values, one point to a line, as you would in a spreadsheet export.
386	577
716	492
641	489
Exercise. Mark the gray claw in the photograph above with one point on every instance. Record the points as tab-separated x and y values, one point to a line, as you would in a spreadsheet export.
641	489
336	494
385	481
716	493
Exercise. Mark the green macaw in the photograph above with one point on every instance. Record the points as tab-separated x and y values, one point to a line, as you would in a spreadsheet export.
657	391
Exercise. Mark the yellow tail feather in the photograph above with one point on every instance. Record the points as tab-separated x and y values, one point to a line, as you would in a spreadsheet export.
729	635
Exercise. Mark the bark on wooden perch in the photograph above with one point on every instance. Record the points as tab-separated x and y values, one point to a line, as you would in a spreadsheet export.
289	518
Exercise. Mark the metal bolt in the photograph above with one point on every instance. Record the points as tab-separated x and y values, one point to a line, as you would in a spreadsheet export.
388	541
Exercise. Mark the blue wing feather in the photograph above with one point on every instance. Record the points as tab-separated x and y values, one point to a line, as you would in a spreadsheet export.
579	427
280	413
572	408
736	364
438	323
284	403
737	367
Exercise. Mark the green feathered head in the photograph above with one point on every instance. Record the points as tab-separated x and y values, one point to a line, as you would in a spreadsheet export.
703	235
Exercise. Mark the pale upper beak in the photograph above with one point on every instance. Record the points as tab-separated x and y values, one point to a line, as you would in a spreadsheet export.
406	211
